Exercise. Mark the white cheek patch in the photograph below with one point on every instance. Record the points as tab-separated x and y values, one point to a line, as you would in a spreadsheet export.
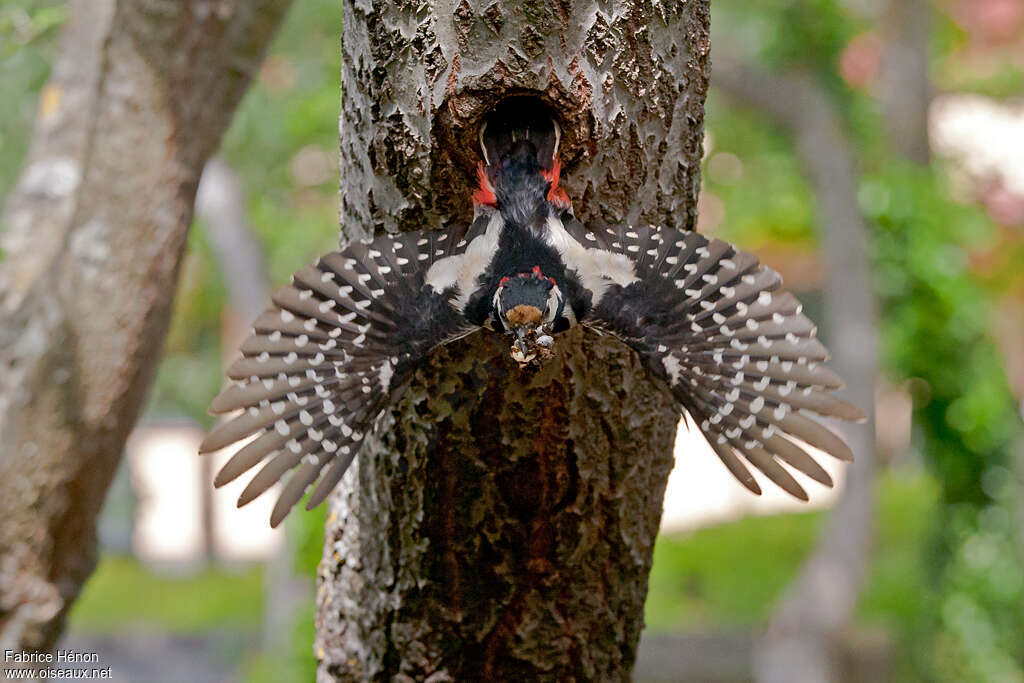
554	301
597	269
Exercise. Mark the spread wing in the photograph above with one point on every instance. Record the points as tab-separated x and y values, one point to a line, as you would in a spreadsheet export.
737	354
323	362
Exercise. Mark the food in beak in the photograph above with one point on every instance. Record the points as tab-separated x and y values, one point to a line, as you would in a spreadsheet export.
532	344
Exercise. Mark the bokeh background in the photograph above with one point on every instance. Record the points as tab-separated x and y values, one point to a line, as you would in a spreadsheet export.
191	589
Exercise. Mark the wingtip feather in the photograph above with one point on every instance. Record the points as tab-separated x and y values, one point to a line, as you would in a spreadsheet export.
276	518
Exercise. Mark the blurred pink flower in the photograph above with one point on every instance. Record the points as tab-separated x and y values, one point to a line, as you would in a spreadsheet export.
859	63
992	21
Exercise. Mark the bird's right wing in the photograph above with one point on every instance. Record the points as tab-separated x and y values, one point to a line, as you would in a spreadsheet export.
737	354
321	365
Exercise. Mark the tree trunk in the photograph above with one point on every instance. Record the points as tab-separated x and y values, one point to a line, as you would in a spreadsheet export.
139	99
799	643
501	524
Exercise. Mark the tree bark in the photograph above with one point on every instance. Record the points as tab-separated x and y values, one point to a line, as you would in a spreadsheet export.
140	96
501	524
799	643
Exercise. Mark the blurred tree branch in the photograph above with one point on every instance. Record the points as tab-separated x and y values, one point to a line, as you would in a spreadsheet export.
220	202
822	599
139	98
906	84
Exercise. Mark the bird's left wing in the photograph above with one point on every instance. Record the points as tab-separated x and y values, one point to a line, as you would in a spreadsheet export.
737	354
323	362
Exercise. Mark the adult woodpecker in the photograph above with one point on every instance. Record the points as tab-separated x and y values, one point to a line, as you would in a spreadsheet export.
708	321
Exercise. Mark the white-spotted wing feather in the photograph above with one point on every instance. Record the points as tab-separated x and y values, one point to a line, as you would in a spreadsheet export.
738	354
321	365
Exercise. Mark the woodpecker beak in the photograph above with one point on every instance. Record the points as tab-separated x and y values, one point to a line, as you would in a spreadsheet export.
532	345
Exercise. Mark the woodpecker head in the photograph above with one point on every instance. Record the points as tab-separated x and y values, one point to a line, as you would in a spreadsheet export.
527	305
520	172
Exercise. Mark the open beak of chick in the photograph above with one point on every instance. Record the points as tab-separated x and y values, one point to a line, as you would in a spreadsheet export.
532	345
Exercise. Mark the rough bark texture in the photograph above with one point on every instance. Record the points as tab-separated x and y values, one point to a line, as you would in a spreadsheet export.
96	229
799	643
501	526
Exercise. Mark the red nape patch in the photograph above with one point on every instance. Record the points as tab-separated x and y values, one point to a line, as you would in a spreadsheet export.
485	194
556	195
537	273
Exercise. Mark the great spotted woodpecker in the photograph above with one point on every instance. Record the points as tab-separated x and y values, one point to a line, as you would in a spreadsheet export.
708	321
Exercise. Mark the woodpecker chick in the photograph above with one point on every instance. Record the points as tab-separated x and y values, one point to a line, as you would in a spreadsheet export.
707	320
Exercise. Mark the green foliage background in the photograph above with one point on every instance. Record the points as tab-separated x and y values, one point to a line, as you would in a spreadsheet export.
934	326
